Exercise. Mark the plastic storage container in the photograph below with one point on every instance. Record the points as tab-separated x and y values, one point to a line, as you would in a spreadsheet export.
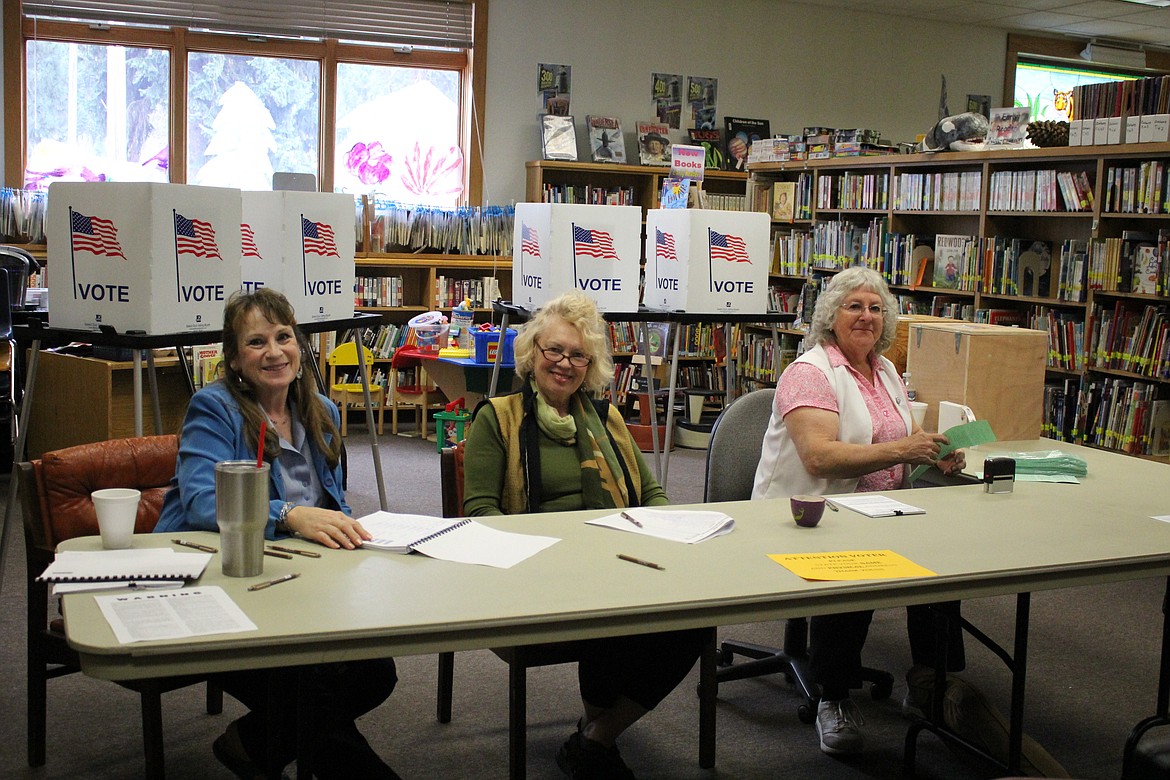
487	341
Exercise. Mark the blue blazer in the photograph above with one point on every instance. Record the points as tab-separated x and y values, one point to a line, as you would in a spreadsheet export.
213	430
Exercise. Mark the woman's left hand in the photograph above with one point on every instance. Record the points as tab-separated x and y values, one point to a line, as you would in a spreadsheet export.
327	526
953	463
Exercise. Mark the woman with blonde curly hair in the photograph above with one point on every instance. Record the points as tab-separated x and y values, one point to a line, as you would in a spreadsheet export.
550	448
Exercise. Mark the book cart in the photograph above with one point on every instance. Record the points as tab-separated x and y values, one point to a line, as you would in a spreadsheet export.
1071	241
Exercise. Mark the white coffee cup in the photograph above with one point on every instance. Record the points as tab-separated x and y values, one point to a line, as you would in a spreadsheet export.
116	510
918	409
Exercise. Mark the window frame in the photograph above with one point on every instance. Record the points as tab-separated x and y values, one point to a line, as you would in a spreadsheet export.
471	65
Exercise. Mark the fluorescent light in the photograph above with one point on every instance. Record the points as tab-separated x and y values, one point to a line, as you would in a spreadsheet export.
1154	3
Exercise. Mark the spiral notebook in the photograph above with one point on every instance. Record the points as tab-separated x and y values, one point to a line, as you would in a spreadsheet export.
161	563
451	539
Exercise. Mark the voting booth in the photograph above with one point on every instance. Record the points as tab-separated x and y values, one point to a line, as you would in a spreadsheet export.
705	261
156	258
300	244
560	247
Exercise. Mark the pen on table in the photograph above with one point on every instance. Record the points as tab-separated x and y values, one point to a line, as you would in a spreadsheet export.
631	518
294	551
277	581
194	546
831	505
275	554
641	562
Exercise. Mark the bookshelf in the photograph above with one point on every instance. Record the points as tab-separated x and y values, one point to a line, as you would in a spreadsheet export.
1042	238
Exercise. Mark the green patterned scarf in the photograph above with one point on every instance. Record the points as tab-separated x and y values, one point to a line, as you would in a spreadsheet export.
602	479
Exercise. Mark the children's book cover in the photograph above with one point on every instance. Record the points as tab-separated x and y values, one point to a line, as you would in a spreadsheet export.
1009	127
712	143
949	260
783	200
558	138
740	133
675	193
653	143
606	142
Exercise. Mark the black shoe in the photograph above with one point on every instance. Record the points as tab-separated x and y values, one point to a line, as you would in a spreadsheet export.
229	750
583	759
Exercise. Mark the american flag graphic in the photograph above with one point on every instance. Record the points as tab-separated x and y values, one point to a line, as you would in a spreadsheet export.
595	243
529	240
725	246
248	241
664	245
318	238
195	237
95	235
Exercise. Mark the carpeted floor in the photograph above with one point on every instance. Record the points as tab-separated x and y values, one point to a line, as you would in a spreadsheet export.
1092	675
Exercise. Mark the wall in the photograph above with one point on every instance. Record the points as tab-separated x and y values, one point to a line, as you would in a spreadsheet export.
792	64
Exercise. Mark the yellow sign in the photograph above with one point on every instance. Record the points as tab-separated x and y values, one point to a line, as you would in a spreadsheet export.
851	565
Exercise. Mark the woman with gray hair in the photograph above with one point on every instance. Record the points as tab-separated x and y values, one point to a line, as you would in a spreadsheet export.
553	448
841	423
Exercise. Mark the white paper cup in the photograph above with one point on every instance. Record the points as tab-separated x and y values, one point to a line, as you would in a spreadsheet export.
918	409
116	510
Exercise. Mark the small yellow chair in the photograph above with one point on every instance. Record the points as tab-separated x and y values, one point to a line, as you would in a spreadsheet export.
347	394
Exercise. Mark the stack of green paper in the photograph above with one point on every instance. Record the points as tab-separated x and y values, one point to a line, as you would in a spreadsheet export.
1050	462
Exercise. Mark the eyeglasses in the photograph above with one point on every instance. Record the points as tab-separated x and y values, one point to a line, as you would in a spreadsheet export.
556	355
856	308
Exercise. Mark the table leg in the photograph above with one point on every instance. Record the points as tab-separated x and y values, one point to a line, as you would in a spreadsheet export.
499	354
155	408
137	392
648	374
364	371
670	405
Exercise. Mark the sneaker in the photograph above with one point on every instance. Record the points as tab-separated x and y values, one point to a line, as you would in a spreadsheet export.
583	759
838	725
919	691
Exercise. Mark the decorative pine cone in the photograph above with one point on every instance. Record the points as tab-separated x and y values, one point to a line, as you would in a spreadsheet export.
1048	133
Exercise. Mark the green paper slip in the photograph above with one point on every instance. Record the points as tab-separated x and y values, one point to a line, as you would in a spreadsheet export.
958	437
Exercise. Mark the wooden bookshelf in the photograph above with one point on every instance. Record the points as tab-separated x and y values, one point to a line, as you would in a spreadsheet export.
1088	365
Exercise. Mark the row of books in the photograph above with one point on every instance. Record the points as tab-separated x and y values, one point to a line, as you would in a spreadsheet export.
1136	262
1135	97
790	200
854	191
381	340
1140	190
1066	336
1123	338
1040	190
940	191
759	359
479	292
378	378
782	300
1116	413
22	216
468	230
791	253
842	243
588	194
377	291
723	201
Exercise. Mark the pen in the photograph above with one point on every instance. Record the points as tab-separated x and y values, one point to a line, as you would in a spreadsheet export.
831	505
641	562
631	518
192	545
295	551
277	581
275	554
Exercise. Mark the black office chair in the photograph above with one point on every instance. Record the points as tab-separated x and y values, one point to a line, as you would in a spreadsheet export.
1147	750
732	456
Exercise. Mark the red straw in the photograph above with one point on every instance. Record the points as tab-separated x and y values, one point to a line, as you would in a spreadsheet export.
260	447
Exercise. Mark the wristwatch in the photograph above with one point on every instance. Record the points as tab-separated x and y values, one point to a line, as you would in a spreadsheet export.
282	519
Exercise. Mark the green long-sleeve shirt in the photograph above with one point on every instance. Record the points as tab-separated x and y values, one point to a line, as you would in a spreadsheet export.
485	463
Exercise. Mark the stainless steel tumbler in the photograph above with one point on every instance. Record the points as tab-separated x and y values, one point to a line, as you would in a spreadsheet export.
241	511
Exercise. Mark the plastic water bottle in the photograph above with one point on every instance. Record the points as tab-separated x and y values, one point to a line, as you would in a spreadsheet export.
911	393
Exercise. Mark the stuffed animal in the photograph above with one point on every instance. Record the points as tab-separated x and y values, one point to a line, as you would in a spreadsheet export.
960	133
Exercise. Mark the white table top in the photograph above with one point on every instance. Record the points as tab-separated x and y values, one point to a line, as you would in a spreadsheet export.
367	603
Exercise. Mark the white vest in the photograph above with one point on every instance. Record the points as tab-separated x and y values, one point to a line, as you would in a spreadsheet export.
781	474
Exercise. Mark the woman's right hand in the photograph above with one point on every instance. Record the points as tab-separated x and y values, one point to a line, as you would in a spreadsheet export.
327	526
921	448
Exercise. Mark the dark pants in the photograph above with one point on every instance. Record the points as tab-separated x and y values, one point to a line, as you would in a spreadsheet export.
835	643
336	695
643	668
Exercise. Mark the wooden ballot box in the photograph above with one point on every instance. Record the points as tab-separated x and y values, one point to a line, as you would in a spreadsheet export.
996	370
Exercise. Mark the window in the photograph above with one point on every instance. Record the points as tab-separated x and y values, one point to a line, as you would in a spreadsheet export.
248	117
398	134
96	113
392	80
